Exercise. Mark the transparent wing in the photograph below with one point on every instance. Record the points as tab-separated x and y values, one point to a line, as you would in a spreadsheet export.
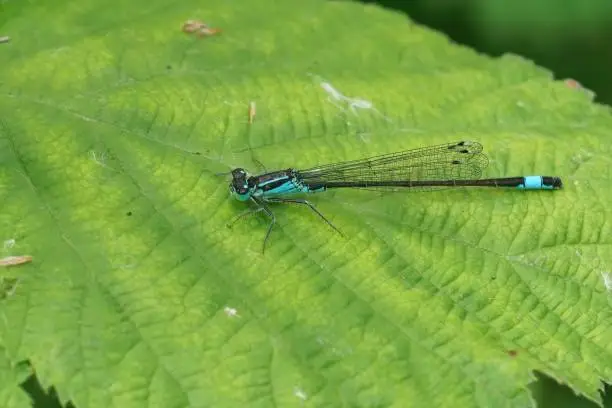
450	161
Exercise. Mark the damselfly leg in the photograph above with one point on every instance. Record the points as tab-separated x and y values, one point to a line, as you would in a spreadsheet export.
270	214
261	207
305	202
260	165
243	214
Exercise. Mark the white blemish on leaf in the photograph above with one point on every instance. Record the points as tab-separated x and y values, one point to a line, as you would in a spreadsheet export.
5	39
9	243
582	156
99	158
298	392
333	92
125	266
342	102
607	280
230	311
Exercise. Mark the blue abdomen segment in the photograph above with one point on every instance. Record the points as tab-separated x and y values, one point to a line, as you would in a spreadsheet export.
291	186
288	187
536	183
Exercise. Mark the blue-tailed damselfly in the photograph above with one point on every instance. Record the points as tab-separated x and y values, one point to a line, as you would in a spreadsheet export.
457	164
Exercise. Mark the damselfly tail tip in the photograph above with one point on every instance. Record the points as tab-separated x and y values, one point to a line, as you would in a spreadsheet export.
554	182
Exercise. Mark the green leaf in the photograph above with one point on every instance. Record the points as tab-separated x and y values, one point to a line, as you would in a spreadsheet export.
11	395
448	298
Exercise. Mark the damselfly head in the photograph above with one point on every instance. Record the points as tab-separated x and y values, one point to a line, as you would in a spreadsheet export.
239	187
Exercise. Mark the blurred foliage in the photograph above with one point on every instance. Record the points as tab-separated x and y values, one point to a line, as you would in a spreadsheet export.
550	394
42	398
503	16
570	37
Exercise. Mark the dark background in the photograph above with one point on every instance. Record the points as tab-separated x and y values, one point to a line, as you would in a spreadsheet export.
572	38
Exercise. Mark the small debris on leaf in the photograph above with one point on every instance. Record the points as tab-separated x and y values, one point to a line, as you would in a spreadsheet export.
572	83
15	260
5	39
199	28
252	112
